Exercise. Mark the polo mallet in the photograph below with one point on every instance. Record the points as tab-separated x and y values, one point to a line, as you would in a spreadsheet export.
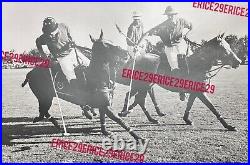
64	128
133	67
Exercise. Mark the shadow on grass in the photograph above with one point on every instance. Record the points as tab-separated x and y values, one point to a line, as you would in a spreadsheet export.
23	128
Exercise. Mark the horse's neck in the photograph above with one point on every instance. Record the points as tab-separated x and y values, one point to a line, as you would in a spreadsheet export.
98	64
202	61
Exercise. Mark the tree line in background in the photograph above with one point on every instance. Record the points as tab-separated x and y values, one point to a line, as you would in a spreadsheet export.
238	44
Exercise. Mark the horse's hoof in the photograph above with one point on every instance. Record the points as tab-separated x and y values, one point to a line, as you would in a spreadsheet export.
37	119
188	122
160	114
107	133
87	114
154	121
141	140
120	114
231	128
93	113
55	123
123	113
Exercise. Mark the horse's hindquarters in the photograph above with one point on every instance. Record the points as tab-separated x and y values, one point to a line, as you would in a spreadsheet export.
147	63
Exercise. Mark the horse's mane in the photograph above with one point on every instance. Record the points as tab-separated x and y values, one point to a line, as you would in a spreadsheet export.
86	51
210	43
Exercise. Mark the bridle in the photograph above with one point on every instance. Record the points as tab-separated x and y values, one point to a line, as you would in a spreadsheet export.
218	69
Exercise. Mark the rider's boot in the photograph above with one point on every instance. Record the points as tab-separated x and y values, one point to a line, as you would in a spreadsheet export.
184	71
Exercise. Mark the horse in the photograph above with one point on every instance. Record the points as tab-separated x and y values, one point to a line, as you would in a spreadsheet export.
199	64
96	94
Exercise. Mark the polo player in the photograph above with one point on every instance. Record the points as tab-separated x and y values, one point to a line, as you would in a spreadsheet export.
59	42
172	34
134	34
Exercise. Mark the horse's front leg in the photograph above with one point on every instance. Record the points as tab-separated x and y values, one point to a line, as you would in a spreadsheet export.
188	108
103	123
208	103
140	98
118	120
152	96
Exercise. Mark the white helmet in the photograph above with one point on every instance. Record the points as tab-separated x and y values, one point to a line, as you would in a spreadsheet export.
137	15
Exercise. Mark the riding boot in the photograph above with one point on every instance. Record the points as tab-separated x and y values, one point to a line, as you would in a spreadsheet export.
76	89
184	71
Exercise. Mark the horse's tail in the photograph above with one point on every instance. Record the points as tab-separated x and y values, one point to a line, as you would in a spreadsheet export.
26	80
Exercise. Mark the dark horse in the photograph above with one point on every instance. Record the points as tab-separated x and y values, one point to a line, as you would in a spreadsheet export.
97	92
200	64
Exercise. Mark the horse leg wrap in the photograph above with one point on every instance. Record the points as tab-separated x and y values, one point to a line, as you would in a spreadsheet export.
104	130
86	113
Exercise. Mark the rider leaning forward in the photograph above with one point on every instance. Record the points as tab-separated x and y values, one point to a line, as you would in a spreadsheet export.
171	33
59	42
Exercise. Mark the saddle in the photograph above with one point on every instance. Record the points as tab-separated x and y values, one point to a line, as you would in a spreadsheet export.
94	96
164	65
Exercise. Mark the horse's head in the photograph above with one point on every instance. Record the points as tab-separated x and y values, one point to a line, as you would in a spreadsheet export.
224	52
105	51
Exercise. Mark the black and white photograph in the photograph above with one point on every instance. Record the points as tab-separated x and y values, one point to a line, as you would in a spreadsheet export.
131	82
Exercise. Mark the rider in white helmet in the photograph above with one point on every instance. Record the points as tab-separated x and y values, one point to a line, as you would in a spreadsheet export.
135	33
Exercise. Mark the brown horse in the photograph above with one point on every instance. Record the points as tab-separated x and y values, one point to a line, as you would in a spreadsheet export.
200	64
97	93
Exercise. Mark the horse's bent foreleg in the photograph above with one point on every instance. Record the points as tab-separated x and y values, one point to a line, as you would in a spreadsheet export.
188	108
103	123
152	96
119	121
132	105
124	111
209	104
132	93
140	98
